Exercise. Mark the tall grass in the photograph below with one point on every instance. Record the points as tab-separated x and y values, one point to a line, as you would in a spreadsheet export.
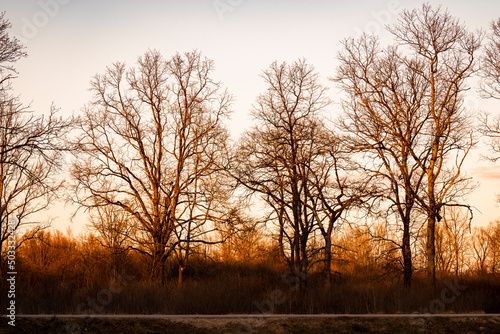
233	289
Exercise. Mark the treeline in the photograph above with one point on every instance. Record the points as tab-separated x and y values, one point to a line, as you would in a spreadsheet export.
304	197
60	273
86	261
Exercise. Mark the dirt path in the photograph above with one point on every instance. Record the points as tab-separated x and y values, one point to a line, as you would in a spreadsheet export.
256	323
259	316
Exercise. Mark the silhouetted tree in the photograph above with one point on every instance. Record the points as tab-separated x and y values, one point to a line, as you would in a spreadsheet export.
490	88
150	142
490	63
31	153
289	158
445	53
405	111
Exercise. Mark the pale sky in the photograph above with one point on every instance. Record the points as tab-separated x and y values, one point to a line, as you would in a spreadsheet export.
69	41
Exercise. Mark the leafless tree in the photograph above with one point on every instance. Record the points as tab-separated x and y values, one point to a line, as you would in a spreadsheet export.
481	247
113	230
383	119
271	156
207	211
31	153
332	189
111	225
11	51
445	50
490	88
288	158
150	138
244	238
490	63
455	227
405	109
494	231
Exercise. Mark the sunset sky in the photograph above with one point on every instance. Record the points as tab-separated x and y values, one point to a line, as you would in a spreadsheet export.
69	41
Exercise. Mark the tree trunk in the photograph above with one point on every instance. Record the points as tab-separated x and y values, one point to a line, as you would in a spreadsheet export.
328	261
158	263
431	249
181	270
407	261
304	263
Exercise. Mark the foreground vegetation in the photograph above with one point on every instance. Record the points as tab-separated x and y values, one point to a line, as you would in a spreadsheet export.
61	274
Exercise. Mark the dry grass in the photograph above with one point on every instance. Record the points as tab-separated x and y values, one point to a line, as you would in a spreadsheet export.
222	288
237	290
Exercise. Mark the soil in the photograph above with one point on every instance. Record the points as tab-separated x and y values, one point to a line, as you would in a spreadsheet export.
296	325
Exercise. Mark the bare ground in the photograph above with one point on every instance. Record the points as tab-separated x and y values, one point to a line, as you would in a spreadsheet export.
394	324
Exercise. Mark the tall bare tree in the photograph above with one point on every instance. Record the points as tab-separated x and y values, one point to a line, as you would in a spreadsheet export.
490	63
289	159
445	51
406	109
272	154
31	152
490	87
383	119
150	137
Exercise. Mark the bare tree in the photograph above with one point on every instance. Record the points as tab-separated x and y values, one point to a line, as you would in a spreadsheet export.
332	190
490	88
481	247
368	251
149	138
490	63
446	56
207	211
111	224
295	163
454	230
113	229
11	51
494	229
406	109
244	238
383	119
275	155
31	152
